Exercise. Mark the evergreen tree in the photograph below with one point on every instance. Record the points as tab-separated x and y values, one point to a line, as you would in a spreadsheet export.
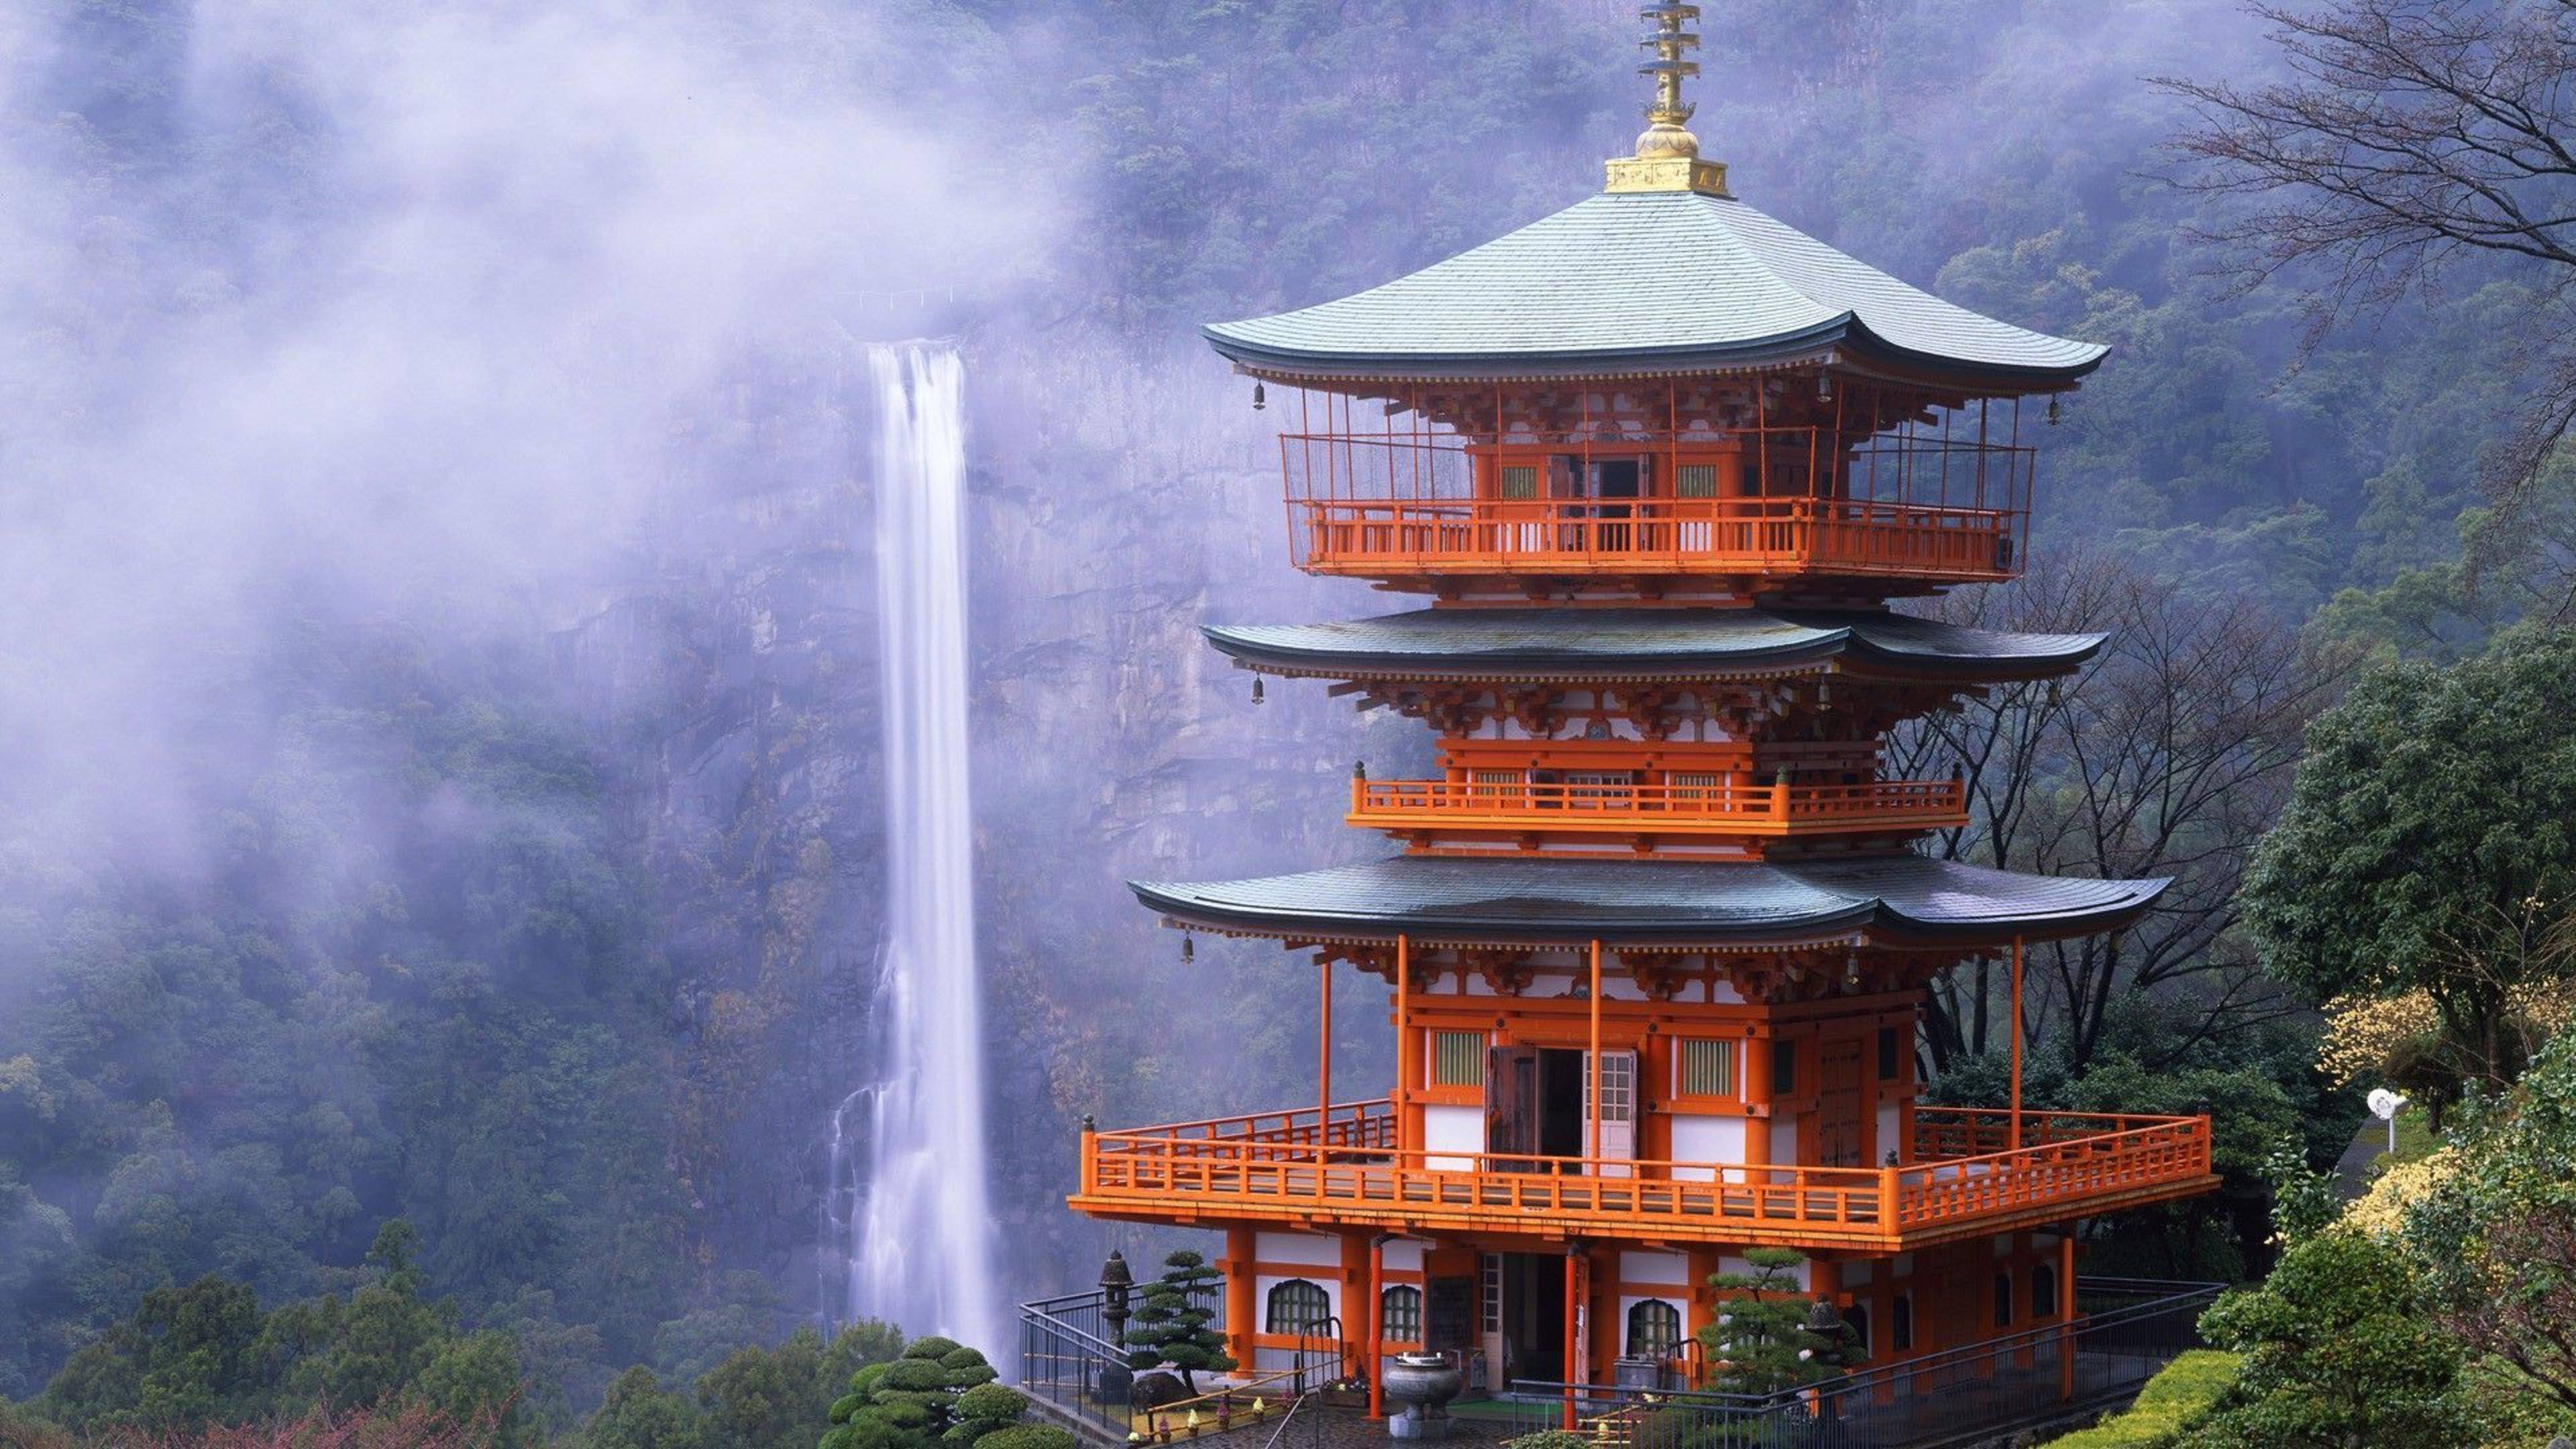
1760	1343
638	1413
936	1393
1171	1326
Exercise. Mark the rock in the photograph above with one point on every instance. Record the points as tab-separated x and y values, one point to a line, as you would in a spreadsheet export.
1154	1390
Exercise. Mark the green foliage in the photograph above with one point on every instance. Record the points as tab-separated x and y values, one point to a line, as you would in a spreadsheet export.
2180	1394
1551	1439
2336	1351
1760	1343
638	1413
2304	1200
2494	1244
936	1392
1171	1327
1029	1436
207	1356
2430	841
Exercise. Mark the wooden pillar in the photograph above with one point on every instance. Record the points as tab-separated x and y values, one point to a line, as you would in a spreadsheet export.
1758	1101
2066	1316
1376	1335
1575	1289
1404	1077
2016	1045
1324	1057
1241	1250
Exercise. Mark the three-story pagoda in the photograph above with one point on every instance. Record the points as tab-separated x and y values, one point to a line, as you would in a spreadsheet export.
1657	933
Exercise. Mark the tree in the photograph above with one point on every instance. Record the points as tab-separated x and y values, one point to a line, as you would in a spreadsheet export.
2410	136
2167	757
1171	1329
1760	1343
2430	844
2495	1237
2337	1352
933	1394
638	1413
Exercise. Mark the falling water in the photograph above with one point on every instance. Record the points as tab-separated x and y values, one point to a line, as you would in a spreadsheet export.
908	1150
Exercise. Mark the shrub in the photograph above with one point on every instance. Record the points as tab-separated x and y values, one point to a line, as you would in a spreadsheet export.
2171	1401
1028	1436
1550	1439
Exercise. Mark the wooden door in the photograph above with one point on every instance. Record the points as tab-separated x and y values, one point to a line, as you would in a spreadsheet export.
1617	1083
1838	1105
1511	1105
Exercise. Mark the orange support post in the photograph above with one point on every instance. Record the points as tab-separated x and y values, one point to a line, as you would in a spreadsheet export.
1573	1329
1403	1041
1324	1059
1240	1251
2066	1315
1376	1310
2016	1045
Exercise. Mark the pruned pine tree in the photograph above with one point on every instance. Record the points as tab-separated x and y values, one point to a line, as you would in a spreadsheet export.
1760	1343
1171	1327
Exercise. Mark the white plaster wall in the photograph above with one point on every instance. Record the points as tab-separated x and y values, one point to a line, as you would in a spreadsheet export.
1452	1129
1321	1249
1784	1142
1889	1122
1654	1268
1404	1255
1698	1138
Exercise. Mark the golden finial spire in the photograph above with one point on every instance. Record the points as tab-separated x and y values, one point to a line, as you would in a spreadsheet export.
1667	156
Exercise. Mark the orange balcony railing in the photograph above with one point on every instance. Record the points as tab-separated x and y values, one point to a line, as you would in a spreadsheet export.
1759	501
1724	808
2067	1165
1375	536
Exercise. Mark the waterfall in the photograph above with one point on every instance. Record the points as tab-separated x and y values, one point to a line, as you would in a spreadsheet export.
908	1159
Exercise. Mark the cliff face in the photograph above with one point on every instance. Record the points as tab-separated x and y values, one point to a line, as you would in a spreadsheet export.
1118	504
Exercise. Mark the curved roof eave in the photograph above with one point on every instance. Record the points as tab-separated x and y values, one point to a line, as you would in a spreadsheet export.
1818	637
1897	900
1785	349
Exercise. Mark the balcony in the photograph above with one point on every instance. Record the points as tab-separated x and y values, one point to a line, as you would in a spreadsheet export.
1775	503
1727	808
1963	1177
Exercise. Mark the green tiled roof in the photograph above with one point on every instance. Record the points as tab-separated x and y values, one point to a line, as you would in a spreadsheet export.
1657	281
1906	897
1645	642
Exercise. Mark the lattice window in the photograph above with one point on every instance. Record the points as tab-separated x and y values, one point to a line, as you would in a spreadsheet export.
1498	785
1654	1329
1400	1313
1695	480
1695	786
1708	1068
1618	1086
1491	1306
1457	1059
1520	482
1600	789
1297	1306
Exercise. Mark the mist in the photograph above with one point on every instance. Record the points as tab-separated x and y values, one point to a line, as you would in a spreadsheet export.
436	475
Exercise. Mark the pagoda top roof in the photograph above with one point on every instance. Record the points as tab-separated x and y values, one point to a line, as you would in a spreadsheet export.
1634	283
1904	898
1644	642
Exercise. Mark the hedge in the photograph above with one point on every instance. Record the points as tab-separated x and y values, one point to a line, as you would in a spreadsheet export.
2186	1389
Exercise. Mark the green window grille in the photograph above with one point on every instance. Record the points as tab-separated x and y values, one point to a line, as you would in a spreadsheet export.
1297	1306
1708	1068
1400	1314
1457	1059
1695	480
1520	482
1654	1329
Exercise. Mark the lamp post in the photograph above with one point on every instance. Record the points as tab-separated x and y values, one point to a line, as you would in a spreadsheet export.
2383	1105
1116	1379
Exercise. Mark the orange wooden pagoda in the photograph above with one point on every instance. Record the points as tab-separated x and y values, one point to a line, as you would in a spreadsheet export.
1657	936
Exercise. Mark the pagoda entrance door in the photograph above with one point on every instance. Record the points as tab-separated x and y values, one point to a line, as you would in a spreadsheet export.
1533	1105
1533	1318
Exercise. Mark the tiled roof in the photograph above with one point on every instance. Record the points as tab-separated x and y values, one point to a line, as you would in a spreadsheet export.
1612	642
1661	280
1442	898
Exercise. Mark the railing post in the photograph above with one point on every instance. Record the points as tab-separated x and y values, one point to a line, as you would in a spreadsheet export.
1888	1216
